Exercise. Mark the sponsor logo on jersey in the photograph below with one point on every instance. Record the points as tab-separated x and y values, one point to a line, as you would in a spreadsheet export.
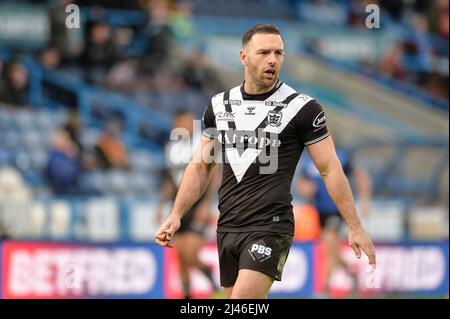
225	116
274	118
320	120
250	110
259	251
276	103
236	138
232	102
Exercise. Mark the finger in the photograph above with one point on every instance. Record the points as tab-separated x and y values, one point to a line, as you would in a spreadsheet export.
169	235
170	232
168	243
370	252
161	235
161	242
356	250
165	243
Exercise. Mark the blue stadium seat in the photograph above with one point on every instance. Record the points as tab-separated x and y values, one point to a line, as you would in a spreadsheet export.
5	118
33	178
24	119
141	161
4	157
32	139
95	182
119	181
21	159
11	139
44	120
38	158
59	117
140	183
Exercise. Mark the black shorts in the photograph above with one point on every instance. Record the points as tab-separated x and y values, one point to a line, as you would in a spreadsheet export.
260	251
331	221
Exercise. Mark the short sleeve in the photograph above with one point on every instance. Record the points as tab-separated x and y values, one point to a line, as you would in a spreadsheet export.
312	126
209	123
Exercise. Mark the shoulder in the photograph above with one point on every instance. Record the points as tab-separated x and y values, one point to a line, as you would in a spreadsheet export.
217	97
294	97
220	98
220	95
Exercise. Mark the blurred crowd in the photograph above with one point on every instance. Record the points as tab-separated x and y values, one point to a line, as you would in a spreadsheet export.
420	57
128	58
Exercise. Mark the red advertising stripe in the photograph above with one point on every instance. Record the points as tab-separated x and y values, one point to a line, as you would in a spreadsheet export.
28	272
58	270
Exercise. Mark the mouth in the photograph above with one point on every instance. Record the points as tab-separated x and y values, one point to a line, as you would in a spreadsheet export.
270	72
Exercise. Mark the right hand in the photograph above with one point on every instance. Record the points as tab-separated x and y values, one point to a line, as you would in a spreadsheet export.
167	231
359	240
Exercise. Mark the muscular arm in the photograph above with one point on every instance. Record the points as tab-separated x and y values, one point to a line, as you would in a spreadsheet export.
324	156
193	184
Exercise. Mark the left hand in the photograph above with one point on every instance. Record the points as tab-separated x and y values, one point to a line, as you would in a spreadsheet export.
359	240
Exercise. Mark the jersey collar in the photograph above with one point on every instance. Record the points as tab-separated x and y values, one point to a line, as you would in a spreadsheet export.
262	96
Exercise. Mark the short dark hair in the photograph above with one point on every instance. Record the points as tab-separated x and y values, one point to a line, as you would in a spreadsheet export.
259	28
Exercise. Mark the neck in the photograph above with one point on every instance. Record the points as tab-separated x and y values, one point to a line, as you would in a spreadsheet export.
252	88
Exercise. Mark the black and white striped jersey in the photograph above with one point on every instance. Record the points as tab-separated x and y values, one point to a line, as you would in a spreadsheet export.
261	138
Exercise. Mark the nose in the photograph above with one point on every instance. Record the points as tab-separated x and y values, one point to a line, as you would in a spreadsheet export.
272	59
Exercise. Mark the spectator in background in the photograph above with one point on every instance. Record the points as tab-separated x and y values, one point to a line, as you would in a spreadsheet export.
99	53
51	58
14	89
180	20
63	168
69	42
395	8
159	37
110	150
412	59
197	75
391	63
437	84
443	26
73	127
417	50
311	186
